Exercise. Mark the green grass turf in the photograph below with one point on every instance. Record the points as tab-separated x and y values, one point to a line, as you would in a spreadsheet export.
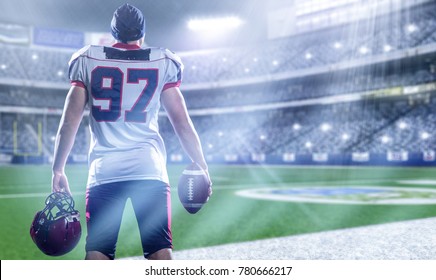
226	218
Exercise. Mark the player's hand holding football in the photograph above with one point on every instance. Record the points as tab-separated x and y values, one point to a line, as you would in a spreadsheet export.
205	169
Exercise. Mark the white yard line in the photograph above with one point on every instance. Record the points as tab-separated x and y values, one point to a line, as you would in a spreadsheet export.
418	182
30	195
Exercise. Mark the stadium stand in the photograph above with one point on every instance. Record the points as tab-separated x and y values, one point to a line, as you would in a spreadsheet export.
360	94
380	36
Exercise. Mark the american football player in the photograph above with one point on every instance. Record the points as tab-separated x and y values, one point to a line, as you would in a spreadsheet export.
124	86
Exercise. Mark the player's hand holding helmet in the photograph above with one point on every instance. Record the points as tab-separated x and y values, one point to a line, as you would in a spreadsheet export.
56	229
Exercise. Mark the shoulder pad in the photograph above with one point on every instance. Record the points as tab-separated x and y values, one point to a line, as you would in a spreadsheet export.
80	52
171	55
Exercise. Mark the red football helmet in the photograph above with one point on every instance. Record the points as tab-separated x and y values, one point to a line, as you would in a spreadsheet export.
56	229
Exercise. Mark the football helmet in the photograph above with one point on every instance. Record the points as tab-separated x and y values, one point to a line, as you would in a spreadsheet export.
56	229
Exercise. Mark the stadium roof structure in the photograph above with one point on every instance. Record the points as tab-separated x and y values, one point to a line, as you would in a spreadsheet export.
166	19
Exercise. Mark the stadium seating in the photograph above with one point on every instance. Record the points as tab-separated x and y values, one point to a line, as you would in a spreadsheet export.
406	30
375	126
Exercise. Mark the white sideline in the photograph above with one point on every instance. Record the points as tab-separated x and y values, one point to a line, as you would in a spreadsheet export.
410	240
30	195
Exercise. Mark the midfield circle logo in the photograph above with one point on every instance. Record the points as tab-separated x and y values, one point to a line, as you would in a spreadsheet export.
345	195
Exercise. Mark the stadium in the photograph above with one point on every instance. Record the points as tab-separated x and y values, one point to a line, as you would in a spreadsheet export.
317	119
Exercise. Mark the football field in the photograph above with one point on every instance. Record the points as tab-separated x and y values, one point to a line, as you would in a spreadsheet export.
249	203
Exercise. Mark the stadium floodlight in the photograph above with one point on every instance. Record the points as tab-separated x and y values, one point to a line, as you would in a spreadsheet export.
363	50
308	144
3	66
220	133
212	24
262	137
308	56
387	48
385	139
337	45
247	70
35	56
296	126
425	135
325	127
411	28
345	136
275	63
402	125
60	73
255	59
210	146
224	59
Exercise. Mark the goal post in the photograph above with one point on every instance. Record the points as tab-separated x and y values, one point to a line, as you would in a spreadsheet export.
18	150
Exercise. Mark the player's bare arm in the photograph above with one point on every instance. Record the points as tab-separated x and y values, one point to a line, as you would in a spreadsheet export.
175	106
72	116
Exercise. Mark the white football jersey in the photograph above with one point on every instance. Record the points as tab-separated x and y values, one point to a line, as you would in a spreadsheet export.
124	84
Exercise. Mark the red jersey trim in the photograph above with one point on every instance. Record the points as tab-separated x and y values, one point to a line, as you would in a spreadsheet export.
78	84
126	46
171	85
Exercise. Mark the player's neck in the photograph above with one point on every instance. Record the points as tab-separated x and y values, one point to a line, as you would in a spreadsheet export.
132	45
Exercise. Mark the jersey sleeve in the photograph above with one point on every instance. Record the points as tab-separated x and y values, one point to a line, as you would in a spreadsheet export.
174	71
76	70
